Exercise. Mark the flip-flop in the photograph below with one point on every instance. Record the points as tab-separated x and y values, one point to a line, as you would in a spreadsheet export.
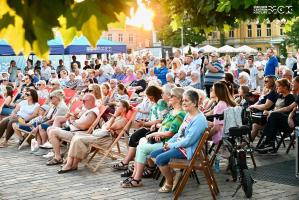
54	161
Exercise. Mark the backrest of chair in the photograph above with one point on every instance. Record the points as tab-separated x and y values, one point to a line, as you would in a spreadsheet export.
199	147
102	110
76	105
69	94
130	116
41	101
131	92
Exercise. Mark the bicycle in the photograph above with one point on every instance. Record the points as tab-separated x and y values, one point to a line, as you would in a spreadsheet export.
237	159
234	141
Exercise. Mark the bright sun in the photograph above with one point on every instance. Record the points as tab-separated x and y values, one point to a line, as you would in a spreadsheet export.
143	17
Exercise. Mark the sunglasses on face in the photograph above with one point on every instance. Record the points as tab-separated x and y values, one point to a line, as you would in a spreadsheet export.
90	90
28	94
52	84
38	84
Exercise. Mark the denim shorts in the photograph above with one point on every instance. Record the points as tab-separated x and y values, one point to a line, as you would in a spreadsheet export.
45	126
25	128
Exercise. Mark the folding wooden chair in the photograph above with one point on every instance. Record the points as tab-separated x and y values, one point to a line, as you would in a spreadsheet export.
69	94
29	134
106	144
131	92
75	105
292	142
41	101
199	161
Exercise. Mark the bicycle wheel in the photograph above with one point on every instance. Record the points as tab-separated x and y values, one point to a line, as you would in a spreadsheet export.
246	182
233	168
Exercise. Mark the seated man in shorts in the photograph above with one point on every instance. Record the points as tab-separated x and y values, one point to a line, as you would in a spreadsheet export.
73	127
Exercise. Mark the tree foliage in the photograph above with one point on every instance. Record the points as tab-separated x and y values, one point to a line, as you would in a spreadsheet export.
207	14
170	37
27	25
293	34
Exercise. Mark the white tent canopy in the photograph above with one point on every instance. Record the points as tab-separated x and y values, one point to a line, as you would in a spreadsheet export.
186	49
246	49
208	49
227	49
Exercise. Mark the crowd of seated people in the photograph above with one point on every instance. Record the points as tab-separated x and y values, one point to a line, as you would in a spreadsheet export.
171	105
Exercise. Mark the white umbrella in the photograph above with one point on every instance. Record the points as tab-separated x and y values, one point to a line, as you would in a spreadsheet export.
208	49
227	49
186	49
246	49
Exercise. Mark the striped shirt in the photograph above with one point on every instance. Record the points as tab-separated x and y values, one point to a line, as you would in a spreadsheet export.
212	77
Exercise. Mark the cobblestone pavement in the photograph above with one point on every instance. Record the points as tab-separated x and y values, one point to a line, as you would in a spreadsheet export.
25	176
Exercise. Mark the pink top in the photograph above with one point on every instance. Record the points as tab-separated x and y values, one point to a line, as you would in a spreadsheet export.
129	79
219	109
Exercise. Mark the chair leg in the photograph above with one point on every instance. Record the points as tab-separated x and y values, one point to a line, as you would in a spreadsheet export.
280	141
292	142
213	180
253	160
24	142
196	177
182	183
210	182
260	140
162	182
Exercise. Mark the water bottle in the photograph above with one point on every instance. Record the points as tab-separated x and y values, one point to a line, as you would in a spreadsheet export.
217	164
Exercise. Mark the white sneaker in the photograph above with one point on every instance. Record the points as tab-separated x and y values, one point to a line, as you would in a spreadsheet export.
47	145
49	155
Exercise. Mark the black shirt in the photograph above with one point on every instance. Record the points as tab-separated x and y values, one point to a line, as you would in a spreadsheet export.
97	66
284	101
272	96
141	83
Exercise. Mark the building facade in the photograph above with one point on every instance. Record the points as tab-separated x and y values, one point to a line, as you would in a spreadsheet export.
260	36
135	38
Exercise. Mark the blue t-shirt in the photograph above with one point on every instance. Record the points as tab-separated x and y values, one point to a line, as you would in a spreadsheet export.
271	65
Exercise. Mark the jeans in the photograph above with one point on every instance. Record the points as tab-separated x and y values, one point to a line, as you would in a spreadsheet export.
163	157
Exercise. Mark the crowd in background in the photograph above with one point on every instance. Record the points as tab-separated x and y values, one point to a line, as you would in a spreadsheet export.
172	97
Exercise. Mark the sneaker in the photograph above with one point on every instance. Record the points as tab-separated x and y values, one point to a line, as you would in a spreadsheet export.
49	155
41	152
266	146
33	150
47	145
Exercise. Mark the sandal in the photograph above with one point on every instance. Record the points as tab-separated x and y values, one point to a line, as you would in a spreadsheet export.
132	183
3	145
54	161
126	180
120	166
128	172
148	172
166	188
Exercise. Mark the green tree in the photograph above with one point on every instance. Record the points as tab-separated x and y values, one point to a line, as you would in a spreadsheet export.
169	37
28	24
293	34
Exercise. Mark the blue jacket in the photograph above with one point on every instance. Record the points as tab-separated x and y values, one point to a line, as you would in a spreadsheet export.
193	134
161	74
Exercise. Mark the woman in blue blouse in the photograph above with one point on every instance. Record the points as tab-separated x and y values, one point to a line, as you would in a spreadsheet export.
183	144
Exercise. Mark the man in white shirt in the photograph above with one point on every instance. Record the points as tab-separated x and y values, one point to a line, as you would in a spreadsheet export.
290	61
190	66
107	69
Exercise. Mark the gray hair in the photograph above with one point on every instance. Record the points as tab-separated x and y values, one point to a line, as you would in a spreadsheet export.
288	71
193	96
171	75
167	88
246	77
196	73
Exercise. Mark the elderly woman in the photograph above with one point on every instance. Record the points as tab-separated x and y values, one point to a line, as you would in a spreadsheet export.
42	91
176	66
79	144
24	111
63	78
130	77
157	113
183	144
195	80
155	140
244	79
139	84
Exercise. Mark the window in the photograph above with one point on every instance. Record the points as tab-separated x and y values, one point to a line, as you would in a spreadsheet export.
110	36
231	34
131	38
214	35
268	29
259	49
258	30
120	37
249	31
281	29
